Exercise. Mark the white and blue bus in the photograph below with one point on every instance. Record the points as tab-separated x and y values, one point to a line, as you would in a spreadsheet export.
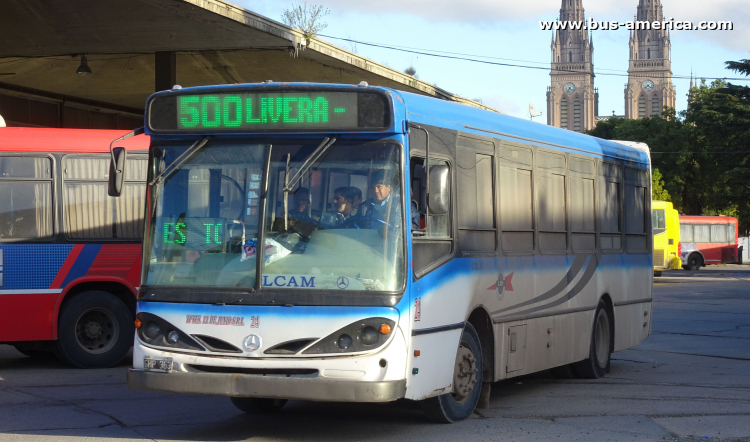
356	243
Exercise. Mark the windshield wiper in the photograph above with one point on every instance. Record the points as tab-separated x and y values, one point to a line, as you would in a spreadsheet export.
309	161
306	165
172	168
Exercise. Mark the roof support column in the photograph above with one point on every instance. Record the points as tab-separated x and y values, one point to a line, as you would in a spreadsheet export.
165	70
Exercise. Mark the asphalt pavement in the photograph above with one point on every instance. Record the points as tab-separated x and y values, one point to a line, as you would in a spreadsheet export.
689	380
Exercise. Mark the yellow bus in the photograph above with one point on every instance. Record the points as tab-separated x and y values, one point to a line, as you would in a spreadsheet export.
666	226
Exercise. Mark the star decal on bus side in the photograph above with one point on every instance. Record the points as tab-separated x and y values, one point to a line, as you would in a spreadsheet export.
502	283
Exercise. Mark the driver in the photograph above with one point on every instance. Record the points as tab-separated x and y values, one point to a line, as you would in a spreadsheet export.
385	205
299	220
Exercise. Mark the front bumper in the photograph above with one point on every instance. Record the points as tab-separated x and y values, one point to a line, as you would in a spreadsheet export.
277	387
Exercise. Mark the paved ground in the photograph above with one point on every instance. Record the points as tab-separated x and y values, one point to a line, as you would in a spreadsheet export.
689	380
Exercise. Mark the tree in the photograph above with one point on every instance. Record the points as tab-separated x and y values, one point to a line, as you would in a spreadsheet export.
742	66
658	192
306	18
411	71
721	116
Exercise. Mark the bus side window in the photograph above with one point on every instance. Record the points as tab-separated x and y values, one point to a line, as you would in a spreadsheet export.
610	182
582	215
551	196
516	199
476	196
89	212
634	214
25	197
435	244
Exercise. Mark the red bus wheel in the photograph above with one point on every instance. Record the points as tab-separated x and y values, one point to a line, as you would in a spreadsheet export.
94	330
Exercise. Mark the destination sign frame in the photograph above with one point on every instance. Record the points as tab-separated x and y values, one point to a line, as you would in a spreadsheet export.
271	110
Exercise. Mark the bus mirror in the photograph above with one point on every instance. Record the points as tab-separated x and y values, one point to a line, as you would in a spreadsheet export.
117	171
440	190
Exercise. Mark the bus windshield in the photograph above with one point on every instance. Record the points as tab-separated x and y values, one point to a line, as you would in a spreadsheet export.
337	226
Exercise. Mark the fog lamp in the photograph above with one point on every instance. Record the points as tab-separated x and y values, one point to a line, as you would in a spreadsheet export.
173	337
344	342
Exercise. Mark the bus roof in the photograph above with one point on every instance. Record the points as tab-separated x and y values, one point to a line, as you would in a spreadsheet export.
427	110
656	204
695	219
456	116
34	139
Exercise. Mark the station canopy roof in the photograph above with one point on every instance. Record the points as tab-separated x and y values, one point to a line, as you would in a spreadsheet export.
215	43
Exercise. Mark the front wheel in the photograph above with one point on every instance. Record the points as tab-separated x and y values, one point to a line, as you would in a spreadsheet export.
595	366
467	383
95	330
258	404
694	262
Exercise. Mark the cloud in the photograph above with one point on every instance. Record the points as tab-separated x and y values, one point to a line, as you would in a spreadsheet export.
503	105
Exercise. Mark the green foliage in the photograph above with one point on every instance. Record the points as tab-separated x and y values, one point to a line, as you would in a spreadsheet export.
306	18
702	154
742	66
658	192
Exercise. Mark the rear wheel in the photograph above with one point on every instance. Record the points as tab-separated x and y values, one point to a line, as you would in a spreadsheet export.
95	330
694	262
467	381
258	405
596	365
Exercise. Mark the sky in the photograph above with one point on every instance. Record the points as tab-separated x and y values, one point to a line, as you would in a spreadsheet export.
509	31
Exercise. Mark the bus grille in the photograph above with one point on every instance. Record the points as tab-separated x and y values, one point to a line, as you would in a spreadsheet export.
658	257
256	371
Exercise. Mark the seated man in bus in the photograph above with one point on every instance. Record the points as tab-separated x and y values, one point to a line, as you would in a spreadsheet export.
385	206
357	199
298	219
342	203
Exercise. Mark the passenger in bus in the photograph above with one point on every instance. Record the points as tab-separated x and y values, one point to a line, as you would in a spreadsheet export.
342	201
385	206
357	199
298	220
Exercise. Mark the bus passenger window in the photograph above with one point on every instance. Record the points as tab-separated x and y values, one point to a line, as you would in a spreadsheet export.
26	202
516	199
582	216
476	197
610	206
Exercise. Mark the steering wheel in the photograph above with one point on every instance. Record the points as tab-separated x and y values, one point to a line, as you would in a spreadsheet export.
351	222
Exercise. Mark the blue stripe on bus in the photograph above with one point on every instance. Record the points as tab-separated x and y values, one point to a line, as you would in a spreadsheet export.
83	263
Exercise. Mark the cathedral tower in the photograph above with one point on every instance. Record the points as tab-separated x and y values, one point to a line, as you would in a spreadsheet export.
572	101
649	86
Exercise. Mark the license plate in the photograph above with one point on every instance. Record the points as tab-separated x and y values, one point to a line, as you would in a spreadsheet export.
157	364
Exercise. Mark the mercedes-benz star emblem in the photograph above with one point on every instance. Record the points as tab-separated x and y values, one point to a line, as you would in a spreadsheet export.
342	282
252	343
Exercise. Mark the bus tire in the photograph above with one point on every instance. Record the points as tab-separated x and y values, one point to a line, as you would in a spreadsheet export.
467	382
694	262
600	350
94	330
258	404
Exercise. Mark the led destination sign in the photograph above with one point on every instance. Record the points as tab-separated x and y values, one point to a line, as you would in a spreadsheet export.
262	110
196	233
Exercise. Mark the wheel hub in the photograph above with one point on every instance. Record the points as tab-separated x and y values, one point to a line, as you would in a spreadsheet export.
464	374
97	330
93	329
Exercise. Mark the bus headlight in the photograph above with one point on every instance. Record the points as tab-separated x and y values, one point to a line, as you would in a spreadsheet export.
363	335
173	337
344	342
155	333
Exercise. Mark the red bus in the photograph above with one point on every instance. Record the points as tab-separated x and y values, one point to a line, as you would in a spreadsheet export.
707	240
70	255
